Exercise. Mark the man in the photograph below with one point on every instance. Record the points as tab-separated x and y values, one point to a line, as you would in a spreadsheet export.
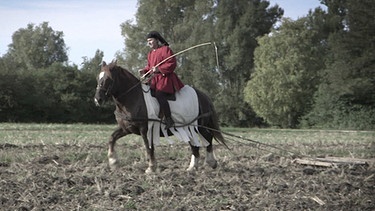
164	80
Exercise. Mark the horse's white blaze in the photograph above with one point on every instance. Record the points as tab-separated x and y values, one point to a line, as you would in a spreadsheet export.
193	163
101	75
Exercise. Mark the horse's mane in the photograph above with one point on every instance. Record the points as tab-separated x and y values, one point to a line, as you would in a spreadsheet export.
125	72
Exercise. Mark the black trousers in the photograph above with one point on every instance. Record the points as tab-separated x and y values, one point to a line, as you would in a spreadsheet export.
161	97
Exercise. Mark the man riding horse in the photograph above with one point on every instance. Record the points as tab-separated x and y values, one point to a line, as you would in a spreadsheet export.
164	80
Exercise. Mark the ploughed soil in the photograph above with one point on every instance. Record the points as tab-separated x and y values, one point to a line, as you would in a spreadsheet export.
77	177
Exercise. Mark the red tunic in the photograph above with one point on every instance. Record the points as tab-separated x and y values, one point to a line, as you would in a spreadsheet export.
167	80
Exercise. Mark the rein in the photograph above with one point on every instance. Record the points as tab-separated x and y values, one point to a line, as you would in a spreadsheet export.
127	92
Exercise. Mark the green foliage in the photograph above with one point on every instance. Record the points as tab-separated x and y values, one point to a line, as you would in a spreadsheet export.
92	65
38	46
330	112
15	90
347	95
237	27
58	93
39	86
286	73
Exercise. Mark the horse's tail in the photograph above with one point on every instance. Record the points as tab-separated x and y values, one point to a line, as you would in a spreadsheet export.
211	123
216	132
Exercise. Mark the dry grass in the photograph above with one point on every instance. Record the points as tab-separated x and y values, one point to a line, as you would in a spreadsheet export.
64	167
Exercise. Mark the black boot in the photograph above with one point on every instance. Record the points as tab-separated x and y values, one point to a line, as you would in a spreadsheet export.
168	122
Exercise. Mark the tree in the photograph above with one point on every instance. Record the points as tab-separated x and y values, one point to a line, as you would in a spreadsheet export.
346	97
38	46
237	26
85	84
286	74
52	91
232	25
93	65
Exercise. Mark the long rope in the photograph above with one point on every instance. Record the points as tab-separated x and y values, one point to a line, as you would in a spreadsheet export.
143	77
217	57
253	143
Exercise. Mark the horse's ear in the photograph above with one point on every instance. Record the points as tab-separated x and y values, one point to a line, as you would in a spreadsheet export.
112	64
104	64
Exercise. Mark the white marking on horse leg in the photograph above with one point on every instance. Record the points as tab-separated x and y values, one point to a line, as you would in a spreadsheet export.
150	170
210	160
112	158
150	153
151	167
194	162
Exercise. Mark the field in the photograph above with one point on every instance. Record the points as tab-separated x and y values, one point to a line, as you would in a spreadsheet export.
64	167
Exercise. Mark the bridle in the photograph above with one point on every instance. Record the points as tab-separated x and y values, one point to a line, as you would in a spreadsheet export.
108	90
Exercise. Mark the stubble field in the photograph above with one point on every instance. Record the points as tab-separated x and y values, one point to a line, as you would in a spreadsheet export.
64	167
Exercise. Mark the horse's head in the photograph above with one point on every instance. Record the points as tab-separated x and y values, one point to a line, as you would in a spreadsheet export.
104	89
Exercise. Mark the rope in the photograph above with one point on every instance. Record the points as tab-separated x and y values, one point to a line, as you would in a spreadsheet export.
253	143
217	57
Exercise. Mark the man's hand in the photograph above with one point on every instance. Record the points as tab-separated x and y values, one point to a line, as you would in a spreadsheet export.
155	70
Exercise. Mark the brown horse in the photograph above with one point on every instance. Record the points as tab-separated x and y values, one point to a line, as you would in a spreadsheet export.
132	115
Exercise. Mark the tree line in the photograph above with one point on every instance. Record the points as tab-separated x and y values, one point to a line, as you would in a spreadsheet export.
313	72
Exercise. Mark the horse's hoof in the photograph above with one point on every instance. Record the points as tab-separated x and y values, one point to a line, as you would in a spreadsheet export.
150	170
212	163
112	161
190	169
112	164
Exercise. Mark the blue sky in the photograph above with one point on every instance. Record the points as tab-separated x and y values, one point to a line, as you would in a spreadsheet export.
89	25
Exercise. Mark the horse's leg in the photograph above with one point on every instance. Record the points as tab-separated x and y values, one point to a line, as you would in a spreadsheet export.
194	162
150	150
205	105
210	157
112	157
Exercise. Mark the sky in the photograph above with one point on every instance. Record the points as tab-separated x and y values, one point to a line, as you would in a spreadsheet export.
89	25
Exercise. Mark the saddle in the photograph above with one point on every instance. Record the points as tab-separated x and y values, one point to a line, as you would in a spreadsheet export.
170	97
184	108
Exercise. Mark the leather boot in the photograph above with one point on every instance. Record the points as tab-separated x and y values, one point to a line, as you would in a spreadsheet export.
168	122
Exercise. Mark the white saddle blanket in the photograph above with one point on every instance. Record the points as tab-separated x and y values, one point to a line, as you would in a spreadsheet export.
184	111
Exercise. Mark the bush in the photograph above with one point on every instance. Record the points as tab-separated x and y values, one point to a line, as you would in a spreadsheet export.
355	117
